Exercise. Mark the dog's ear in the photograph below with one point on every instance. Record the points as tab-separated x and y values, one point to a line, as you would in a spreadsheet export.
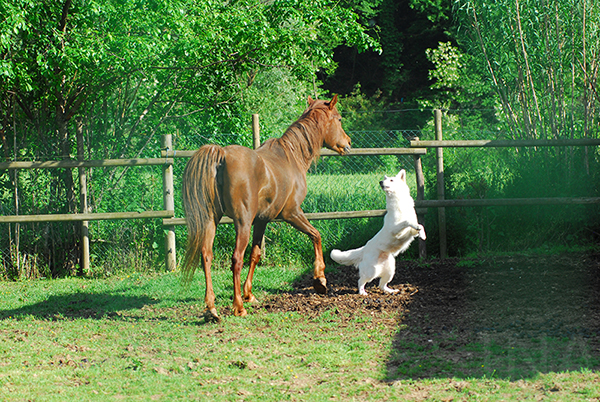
402	175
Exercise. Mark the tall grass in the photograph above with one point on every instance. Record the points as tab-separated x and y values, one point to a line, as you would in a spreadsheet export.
326	193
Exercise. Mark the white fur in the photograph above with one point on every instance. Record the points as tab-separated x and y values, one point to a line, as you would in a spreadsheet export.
376	259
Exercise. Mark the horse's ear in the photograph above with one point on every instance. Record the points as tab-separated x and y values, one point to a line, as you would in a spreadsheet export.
310	100
333	102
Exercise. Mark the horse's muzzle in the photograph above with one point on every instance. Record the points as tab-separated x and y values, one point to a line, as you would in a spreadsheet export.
346	149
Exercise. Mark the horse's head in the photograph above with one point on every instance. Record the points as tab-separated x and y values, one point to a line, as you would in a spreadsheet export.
334	138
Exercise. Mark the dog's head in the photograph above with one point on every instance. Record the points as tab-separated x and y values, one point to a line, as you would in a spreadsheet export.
396	184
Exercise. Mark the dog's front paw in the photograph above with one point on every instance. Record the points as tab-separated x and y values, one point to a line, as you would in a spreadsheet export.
422	234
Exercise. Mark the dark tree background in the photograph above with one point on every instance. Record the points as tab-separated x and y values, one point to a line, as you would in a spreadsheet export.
400	72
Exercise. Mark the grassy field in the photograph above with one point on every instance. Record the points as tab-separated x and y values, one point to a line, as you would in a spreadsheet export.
326	193
139	337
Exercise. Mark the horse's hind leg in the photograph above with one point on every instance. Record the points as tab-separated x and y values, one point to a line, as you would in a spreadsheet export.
255	254
237	261
210	313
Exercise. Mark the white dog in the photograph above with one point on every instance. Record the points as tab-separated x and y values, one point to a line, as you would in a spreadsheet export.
376	259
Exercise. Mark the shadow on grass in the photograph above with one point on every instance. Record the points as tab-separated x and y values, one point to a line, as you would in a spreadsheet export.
506	317
80	305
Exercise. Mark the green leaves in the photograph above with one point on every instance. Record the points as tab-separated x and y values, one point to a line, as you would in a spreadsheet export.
447	61
132	70
541	59
161	59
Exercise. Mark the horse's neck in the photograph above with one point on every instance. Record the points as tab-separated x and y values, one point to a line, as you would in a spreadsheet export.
302	141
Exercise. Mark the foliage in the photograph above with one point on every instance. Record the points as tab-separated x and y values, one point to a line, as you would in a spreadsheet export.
541	59
104	79
517	71
278	97
447	62
404	29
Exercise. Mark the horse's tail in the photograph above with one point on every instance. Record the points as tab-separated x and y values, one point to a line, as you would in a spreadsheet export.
350	257
201	201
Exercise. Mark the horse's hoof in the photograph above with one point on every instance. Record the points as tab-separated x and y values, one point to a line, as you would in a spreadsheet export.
240	313
210	315
320	285
250	299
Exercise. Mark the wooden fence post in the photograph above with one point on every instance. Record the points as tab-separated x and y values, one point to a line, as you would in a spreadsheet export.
439	153
255	131
255	145
84	265
169	205
420	197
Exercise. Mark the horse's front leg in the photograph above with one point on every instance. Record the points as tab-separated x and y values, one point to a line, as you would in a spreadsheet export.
237	262
255	254
299	221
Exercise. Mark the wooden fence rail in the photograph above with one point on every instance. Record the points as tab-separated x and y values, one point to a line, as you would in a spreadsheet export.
418	148
324	152
86	164
314	216
85	217
505	143
99	216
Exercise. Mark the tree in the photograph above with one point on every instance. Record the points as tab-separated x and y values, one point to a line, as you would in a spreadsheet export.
542	60
129	71
405	29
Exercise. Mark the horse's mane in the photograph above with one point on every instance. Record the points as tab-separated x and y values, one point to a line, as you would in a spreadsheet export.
302	141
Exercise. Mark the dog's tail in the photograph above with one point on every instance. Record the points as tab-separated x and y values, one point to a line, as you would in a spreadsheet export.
350	257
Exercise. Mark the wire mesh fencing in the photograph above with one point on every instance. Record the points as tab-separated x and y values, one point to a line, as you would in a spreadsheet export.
49	249
335	183
517	172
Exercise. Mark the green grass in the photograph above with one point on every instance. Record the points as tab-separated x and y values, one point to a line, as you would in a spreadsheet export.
139	337
288	247
353	192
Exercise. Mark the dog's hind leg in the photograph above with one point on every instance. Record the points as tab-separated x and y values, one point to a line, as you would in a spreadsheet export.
362	281
368	269
387	274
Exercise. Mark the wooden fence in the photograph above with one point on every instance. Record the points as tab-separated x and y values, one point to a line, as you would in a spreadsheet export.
417	149
85	217
170	223
441	203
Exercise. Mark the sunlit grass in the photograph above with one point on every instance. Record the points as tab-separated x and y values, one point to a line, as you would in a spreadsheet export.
141	336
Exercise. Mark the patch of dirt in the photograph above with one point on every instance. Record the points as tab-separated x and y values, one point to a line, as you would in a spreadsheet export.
343	298
487	294
446	306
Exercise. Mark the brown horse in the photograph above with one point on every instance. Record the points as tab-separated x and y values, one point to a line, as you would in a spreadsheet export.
254	187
